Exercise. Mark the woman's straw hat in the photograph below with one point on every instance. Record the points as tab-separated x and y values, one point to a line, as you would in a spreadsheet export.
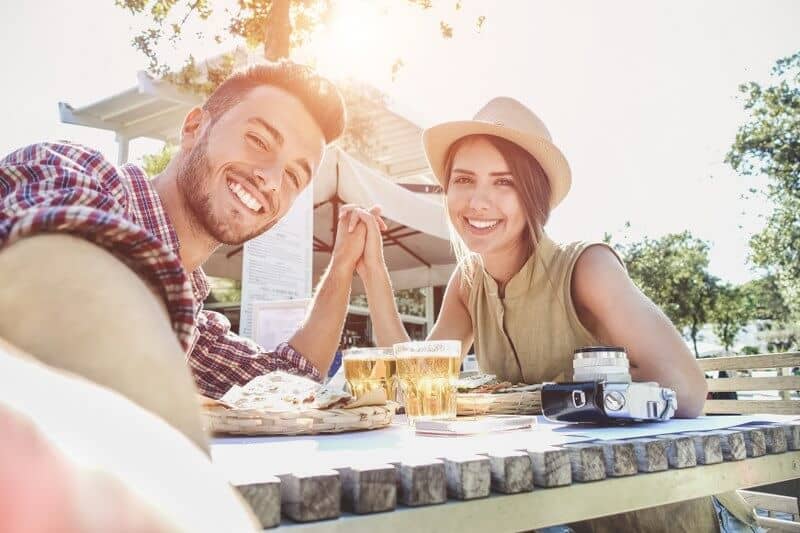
506	118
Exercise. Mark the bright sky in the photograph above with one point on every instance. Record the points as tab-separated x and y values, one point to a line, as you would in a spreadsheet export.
640	96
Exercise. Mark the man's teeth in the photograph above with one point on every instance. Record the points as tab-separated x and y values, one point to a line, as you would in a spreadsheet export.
482	224
246	198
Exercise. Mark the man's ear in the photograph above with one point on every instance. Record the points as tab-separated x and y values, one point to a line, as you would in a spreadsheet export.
193	126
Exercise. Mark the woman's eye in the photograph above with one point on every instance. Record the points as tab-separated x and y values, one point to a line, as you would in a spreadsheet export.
461	179
505	181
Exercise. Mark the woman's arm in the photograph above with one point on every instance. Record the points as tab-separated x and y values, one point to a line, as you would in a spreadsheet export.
453	323
618	313
383	312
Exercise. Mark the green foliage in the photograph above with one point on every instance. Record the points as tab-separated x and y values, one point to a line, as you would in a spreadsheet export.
154	164
358	300
278	26
766	301
673	272
767	147
730	314
224	290
750	350
410	302
780	337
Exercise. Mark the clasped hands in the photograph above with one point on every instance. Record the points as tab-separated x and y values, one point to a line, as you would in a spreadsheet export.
359	242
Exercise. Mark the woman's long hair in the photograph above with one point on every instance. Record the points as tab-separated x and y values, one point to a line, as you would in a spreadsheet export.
532	186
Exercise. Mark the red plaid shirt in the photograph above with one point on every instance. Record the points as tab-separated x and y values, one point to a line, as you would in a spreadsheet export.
67	188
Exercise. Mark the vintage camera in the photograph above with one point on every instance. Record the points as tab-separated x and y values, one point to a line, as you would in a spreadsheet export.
602	392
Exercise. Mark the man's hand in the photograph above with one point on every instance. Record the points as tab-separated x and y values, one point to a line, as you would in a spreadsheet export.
349	245
372	258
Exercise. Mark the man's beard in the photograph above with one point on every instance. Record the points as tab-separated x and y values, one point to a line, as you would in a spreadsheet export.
194	177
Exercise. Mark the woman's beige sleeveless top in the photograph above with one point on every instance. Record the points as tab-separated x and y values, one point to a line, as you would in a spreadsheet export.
530	334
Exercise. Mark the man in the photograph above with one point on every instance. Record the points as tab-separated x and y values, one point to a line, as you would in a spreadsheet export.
97	262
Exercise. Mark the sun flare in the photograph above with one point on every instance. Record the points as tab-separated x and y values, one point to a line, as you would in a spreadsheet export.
353	42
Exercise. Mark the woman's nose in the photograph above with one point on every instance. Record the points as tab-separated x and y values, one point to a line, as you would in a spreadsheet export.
480	199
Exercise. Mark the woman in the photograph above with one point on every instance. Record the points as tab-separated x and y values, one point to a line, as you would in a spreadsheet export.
523	301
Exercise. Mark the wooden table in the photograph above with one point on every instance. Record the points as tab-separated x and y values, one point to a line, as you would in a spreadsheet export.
509	481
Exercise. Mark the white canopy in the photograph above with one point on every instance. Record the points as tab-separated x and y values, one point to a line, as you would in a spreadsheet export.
416	244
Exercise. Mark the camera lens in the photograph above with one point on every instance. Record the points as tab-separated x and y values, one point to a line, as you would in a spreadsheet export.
601	363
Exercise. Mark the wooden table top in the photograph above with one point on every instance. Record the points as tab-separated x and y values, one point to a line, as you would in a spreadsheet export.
390	479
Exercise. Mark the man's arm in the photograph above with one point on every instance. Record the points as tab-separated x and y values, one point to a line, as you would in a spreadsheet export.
83	457
221	358
318	337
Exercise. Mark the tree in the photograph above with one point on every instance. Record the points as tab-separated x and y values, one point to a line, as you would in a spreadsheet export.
730	314
768	306
673	272
276	26
153	164
766	300
767	147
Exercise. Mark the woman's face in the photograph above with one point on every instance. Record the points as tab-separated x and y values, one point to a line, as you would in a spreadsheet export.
482	199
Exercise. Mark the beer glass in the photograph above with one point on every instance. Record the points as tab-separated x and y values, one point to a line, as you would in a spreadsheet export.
428	372
367	369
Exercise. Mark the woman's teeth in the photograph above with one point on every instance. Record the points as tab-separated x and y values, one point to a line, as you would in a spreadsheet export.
246	198
482	224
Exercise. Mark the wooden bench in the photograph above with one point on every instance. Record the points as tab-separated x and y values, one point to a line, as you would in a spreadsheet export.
784	383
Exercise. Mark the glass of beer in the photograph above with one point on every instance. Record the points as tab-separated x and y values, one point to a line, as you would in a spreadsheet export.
367	369
428	372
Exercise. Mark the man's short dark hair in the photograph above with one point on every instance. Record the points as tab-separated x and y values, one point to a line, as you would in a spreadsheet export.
319	96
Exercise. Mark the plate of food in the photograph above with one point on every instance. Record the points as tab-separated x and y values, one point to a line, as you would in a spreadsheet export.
484	394
280	403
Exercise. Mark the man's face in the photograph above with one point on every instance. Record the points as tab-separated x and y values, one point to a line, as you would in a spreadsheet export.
246	170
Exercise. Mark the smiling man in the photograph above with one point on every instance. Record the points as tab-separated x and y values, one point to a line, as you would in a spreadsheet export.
101	267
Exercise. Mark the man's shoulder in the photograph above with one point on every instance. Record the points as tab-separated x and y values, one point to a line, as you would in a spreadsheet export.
56	153
66	165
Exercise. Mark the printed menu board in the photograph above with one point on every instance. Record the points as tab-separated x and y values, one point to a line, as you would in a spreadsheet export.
277	265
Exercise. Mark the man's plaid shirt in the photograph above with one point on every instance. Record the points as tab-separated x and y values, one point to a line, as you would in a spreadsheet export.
67	188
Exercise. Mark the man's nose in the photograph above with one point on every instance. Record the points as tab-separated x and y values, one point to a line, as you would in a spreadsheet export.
269	178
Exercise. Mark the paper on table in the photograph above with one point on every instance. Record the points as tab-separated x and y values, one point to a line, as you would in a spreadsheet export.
651	429
248	458
783	419
474	425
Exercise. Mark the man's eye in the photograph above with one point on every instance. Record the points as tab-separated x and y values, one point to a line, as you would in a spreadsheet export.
255	139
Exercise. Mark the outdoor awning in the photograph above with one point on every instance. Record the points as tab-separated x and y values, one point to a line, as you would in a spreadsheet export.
153	109
156	108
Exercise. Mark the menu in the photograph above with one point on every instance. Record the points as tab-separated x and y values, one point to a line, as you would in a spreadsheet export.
277	265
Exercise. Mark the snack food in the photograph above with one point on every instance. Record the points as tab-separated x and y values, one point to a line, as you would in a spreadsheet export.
281	391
